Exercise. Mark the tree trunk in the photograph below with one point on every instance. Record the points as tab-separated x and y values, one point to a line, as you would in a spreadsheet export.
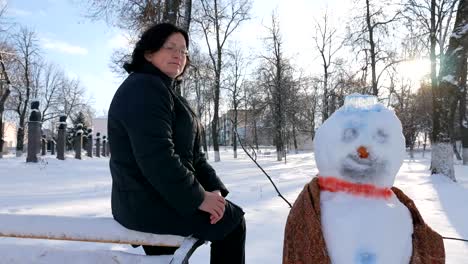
224	133
205	146
325	100
424	143
255	136
215	123
451	127
375	90
1	134
171	11
463	118
332	103
440	163
20	141
435	90
448	91
2	126
312	118
214	134
412	142
187	15
279	144
279	111
295	139
1	138
278	130
3	96
4	93
234	132
245	116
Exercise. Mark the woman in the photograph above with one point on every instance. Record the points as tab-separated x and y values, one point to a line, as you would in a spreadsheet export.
162	182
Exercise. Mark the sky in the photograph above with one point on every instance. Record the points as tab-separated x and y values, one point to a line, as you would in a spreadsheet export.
82	48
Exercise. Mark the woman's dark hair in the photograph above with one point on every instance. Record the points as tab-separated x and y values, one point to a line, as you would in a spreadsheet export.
151	41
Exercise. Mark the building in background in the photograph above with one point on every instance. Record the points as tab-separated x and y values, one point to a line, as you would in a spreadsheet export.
9	135
99	125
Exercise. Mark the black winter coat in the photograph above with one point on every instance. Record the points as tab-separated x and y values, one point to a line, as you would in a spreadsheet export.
158	170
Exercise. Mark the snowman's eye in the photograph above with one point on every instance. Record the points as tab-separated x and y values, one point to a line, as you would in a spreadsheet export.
350	134
380	136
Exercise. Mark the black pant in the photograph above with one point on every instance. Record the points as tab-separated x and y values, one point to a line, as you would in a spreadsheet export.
228	250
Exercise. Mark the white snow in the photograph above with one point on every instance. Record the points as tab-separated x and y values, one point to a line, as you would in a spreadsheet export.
441	150
82	188
43	255
361	124
366	230
79	228
450	79
461	32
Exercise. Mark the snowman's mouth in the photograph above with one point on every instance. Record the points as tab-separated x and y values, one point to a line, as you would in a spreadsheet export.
361	170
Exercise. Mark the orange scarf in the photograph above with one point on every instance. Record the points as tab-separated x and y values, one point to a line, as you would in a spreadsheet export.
333	184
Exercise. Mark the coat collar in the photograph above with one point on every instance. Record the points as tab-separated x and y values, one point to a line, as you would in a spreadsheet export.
149	68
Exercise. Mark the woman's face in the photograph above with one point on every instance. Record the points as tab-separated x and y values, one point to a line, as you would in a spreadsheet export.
171	57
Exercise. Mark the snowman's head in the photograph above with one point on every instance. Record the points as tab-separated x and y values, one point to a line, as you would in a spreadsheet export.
362	142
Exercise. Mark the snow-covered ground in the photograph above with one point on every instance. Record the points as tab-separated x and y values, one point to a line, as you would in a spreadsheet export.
82	188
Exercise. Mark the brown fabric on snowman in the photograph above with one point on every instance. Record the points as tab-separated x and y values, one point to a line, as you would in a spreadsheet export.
304	242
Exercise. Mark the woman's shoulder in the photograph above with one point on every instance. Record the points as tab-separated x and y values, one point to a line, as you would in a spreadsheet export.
143	84
139	79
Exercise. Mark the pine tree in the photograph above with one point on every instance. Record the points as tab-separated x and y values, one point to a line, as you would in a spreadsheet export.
80	118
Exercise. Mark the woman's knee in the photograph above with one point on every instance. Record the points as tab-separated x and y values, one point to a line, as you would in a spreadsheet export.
229	224
241	229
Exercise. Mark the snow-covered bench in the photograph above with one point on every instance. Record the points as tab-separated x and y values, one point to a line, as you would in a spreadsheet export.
84	229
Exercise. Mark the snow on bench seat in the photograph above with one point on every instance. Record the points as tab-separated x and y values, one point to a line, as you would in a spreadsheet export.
87	229
10	254
92	229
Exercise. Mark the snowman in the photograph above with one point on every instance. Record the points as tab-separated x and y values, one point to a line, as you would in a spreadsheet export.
350	213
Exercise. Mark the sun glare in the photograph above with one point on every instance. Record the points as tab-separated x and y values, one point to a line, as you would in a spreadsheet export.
415	70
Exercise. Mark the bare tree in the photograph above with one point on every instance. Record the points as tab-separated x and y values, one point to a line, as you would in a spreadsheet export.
405	108
452	73
328	44
73	98
293	107
310	90
218	19
369	40
431	22
255	103
25	43
274	71
199	81
235	86
51	81
137	15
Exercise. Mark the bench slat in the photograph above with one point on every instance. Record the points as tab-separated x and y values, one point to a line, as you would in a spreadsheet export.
90	229
45	255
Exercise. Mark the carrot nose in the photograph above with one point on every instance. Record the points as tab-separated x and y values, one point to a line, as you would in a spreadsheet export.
362	151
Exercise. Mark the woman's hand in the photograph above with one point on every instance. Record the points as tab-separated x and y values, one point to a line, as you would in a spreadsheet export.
213	204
